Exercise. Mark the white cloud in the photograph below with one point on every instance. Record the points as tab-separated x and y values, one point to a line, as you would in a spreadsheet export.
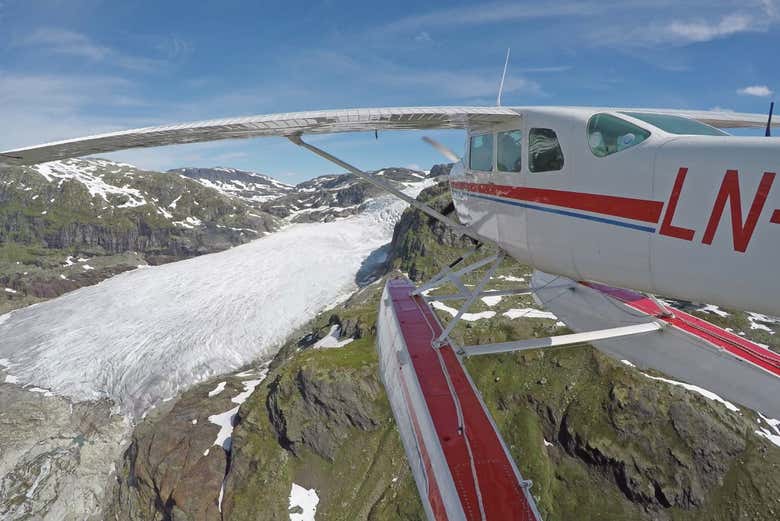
490	13
701	31
423	37
49	107
62	41
678	32
769	7
58	41
762	91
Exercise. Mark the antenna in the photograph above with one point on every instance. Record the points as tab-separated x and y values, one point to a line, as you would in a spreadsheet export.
769	121
503	76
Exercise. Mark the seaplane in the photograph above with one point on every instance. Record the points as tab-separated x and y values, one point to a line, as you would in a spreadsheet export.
612	207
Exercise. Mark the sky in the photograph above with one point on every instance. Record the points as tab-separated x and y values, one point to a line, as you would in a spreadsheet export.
77	67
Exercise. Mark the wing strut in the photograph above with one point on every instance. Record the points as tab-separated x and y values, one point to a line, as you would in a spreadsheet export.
457	227
564	340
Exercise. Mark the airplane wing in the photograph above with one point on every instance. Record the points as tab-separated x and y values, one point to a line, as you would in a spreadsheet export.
686	348
715	118
284	124
318	122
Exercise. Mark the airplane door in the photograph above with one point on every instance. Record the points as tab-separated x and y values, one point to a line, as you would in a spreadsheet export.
479	179
548	170
508	178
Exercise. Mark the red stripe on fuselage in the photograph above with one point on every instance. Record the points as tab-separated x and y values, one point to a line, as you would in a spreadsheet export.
627	207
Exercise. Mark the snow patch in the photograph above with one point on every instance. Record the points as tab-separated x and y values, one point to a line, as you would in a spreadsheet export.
225	420
693	388
165	213
759	321
218	389
12	291
529	313
331	340
249	388
469	317
772	431
45	392
492	301
511	278
710	308
304	499
85	172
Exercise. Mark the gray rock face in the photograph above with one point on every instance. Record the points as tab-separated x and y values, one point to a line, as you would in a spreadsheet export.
56	457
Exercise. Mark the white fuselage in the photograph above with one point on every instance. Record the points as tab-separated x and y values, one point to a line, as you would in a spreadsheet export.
688	216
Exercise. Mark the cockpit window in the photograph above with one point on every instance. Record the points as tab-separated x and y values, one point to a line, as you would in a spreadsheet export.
544	150
677	124
509	146
481	152
609	134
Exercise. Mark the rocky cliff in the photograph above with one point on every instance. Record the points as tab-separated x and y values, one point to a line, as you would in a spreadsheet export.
115	216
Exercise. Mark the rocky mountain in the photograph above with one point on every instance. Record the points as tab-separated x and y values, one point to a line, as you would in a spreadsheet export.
313	431
72	223
441	169
335	196
251	187
126	348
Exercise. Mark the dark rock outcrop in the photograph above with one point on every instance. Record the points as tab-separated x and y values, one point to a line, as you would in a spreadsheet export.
442	169
316	412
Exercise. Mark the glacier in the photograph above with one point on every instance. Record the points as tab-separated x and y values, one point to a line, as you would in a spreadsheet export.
147	334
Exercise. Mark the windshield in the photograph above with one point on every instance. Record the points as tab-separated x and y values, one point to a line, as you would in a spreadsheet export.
608	134
677	124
